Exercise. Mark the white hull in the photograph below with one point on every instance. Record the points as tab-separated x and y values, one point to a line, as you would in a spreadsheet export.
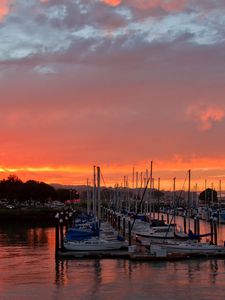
94	245
193	248
160	233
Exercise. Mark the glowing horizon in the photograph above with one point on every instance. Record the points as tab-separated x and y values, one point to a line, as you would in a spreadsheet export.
114	175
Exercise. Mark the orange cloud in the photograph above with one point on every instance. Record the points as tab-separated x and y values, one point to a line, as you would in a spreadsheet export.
112	2
168	5
4	8
206	115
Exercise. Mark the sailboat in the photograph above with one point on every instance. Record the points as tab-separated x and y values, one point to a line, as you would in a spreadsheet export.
190	247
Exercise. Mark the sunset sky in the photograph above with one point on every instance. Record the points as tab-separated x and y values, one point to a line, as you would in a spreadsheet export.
112	83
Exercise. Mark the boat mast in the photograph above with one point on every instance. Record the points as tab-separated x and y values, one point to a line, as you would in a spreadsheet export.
158	195
133	194
220	190
99	192
88	198
189	199
150	194
174	199
94	191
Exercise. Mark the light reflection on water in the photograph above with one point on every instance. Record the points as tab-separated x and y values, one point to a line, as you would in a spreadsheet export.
29	271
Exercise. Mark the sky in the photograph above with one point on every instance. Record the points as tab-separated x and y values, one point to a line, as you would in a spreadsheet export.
112	83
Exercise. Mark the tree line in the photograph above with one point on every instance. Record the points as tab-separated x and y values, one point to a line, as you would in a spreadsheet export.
15	190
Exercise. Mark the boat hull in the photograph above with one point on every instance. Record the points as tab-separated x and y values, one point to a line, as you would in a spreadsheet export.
94	246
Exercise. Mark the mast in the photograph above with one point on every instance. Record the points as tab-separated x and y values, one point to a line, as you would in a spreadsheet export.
141	179
158	195
136	196
88	198
205	191
146	195
94	192
150	194
99	193
174	199
189	199
133	192
220	191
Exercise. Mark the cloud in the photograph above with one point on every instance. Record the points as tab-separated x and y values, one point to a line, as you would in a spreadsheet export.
4	8
51	29
112	2
206	116
45	70
167	5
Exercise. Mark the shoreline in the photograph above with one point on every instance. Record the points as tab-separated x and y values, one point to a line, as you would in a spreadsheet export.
37	216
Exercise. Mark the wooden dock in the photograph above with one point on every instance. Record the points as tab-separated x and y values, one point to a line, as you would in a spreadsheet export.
132	256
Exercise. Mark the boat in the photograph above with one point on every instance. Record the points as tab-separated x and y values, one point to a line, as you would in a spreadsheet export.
160	233
95	244
222	216
193	248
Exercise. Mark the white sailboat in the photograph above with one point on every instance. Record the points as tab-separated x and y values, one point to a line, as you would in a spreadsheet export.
191	248
95	244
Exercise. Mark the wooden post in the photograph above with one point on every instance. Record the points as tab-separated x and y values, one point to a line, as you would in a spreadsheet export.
129	232
61	234
211	229
66	222
112	218
56	234
124	227
185	225
118	220
162	218
215	231
198	228
195	226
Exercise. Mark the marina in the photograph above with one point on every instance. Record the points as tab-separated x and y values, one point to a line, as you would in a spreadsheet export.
104	232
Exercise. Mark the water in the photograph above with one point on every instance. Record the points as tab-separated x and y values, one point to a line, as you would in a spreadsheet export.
29	271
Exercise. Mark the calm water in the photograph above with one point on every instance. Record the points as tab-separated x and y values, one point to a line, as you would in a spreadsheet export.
29	271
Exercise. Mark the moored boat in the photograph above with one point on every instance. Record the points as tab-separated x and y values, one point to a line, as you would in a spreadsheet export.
95	244
193	248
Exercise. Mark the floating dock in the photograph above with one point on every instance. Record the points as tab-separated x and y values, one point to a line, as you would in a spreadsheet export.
133	256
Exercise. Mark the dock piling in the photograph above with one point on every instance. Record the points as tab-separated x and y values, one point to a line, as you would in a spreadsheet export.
129	232
215	230
61	234
185	225
56	234
118	220
211	229
124	225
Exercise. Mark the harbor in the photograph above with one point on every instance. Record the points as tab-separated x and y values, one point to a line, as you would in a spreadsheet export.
136	235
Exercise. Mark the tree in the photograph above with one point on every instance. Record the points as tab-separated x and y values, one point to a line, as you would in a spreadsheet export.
208	196
10	188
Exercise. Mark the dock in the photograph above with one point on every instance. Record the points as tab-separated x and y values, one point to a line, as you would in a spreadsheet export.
139	257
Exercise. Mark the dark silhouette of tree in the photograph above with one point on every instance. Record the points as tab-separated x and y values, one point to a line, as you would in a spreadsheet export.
157	194
10	188
63	194
208	196
13	189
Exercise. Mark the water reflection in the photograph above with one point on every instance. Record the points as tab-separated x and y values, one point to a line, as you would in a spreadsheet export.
101	279
31	272
61	268
22	234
